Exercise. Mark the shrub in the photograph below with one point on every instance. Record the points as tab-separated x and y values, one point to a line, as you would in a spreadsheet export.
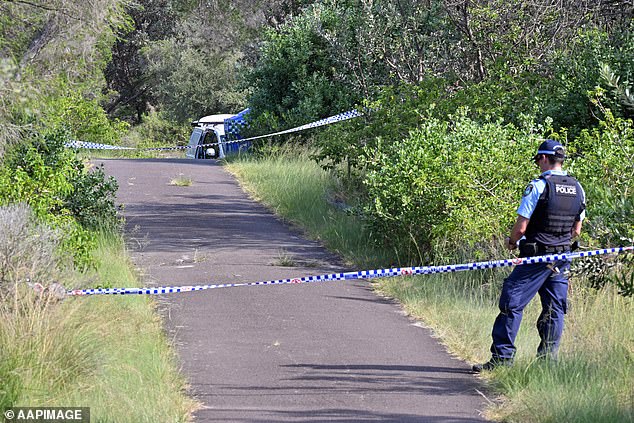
38	172
155	129
449	186
56	185
605	165
295	79
391	117
83	118
92	201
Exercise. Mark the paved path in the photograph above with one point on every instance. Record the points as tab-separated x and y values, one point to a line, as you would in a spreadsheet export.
288	353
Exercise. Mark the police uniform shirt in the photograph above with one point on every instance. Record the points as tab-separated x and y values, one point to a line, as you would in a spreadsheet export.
535	189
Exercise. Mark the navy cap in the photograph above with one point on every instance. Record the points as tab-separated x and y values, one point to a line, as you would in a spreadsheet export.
551	148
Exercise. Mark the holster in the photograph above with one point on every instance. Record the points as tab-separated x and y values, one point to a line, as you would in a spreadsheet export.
528	249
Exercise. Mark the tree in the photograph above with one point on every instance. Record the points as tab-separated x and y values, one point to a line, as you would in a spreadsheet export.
128	76
48	50
381	42
190	84
516	36
296	76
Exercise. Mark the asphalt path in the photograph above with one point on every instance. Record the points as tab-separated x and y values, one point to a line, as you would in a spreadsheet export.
331	351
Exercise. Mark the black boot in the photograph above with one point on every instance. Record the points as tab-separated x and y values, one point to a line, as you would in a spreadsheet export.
492	364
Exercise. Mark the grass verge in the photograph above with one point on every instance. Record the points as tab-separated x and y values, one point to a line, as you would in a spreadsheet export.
107	353
592	382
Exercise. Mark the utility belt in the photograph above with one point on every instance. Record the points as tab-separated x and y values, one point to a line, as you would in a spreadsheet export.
531	249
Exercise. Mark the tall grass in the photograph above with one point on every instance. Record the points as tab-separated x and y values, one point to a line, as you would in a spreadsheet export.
106	353
593	381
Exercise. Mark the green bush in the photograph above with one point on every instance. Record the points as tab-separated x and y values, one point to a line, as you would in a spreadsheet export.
92	200
41	172
395	112
398	110
450	186
82	117
604	164
156	130
190	82
295	79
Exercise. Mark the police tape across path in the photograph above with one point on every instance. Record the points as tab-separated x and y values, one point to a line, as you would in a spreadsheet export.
364	274
340	117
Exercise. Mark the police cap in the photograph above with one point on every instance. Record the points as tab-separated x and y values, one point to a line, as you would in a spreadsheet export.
551	148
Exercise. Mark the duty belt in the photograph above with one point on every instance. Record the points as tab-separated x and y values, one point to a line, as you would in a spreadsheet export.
531	249
544	249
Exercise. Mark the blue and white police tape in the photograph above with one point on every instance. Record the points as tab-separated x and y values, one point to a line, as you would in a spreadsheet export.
351	114
95	146
364	274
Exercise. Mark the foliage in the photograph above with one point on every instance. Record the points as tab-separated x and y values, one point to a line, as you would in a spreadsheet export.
15	39
155	129
38	172
52	77
294	81
193	83
14	94
559	98
62	37
129	79
565	94
442	189
621	90
623	277
501	59
83	118
48	177
184	58
605	165
385	42
92	202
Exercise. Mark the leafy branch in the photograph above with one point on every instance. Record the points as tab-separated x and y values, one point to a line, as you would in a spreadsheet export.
621	89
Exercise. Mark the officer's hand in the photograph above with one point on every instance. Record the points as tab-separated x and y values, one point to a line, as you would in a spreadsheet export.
510	245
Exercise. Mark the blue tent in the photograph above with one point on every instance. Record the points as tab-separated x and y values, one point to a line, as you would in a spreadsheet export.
233	128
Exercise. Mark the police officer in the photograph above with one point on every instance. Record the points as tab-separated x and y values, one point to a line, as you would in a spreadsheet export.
549	216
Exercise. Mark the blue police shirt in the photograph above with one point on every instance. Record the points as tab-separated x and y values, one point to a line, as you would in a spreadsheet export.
535	189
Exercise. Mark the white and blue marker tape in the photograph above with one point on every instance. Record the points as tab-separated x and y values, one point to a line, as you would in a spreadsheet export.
364	274
351	114
95	146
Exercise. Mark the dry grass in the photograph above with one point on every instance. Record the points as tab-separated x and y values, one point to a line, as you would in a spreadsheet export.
106	353
181	181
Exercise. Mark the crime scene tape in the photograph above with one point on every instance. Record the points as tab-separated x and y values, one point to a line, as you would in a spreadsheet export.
351	114
364	274
95	146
